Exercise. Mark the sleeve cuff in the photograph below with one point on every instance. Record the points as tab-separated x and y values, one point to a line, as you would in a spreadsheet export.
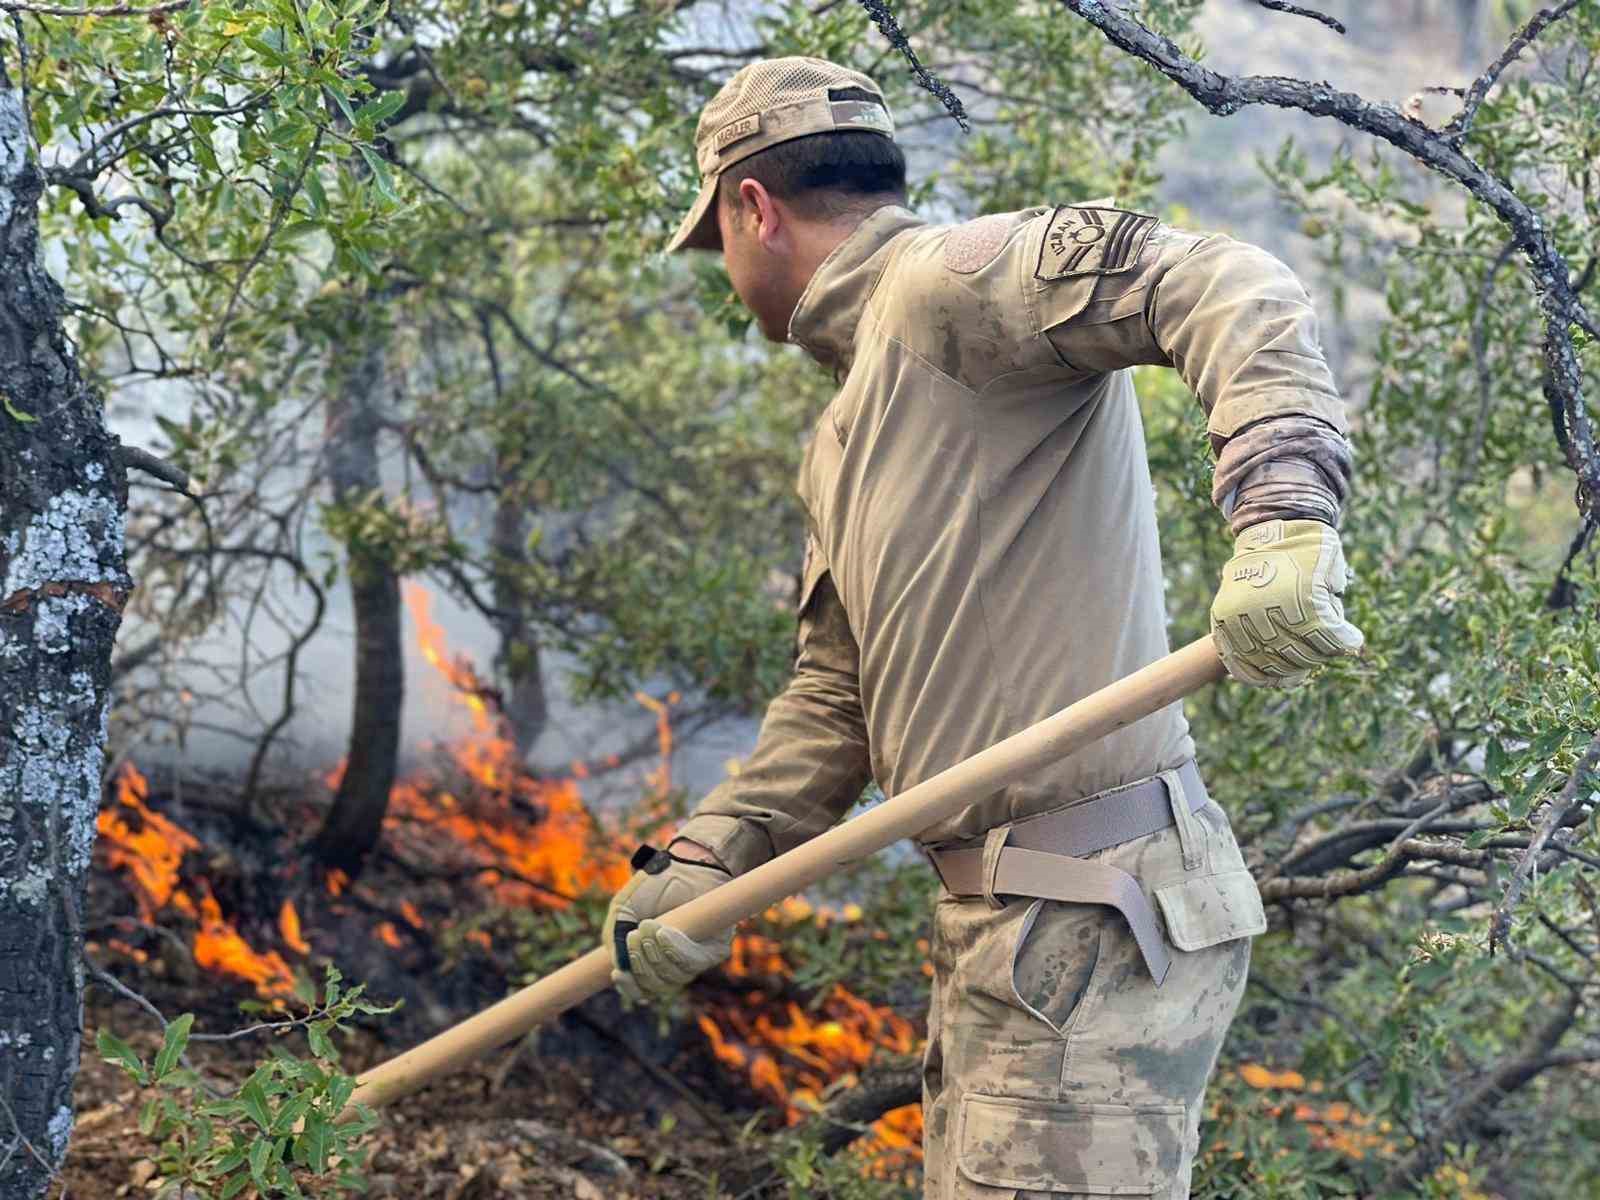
738	844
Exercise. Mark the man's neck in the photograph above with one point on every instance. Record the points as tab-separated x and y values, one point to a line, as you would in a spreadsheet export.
816	240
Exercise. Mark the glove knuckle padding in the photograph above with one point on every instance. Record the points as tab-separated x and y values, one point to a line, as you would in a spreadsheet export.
1278	615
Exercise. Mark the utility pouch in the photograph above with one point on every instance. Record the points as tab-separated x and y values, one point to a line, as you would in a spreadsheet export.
1208	909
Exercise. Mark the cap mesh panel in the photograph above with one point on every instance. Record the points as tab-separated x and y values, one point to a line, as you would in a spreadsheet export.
775	81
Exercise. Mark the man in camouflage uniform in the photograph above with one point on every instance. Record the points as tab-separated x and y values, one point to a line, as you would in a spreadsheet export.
981	553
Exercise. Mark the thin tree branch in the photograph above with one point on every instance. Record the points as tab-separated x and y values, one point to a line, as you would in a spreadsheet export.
1573	794
1461	123
1297	11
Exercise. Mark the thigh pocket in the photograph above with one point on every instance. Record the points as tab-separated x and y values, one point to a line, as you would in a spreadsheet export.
1085	1149
1208	909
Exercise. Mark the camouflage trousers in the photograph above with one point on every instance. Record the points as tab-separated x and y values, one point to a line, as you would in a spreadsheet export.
1055	1067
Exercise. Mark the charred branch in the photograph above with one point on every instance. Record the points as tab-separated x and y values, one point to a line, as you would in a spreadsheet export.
1295	10
852	1115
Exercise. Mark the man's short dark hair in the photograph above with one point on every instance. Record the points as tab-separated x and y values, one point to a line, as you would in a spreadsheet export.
827	175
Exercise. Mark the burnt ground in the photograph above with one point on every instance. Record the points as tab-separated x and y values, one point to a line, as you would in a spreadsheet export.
600	1104
543	1128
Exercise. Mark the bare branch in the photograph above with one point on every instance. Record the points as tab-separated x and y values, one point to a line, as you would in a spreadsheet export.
1461	123
132	458
883	18
1476	1102
1297	11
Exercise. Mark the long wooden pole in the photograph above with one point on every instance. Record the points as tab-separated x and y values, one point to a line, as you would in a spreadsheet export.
945	794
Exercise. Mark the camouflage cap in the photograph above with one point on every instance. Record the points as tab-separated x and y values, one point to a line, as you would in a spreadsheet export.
765	103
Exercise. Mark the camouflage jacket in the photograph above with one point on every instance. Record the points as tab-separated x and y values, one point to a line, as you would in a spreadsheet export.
982	532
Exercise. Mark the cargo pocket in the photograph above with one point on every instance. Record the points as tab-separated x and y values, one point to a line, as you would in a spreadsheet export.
1208	909
1085	1149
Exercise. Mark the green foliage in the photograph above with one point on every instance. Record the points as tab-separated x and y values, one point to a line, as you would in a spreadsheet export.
278	1131
806	1172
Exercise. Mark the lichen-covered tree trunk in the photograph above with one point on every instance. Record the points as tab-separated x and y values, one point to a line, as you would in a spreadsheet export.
355	821
526	707
63	582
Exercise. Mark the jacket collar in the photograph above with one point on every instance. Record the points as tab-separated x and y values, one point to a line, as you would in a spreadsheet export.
825	320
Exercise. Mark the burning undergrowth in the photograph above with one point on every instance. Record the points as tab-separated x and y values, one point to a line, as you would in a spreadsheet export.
476	851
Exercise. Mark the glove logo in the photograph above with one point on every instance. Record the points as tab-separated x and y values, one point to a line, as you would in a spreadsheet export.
1257	575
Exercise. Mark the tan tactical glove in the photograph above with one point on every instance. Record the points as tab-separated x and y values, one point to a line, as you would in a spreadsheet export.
1278	615
647	957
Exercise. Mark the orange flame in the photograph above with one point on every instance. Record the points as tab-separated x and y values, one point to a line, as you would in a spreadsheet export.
1334	1126
218	947
151	847
789	1055
545	862
289	927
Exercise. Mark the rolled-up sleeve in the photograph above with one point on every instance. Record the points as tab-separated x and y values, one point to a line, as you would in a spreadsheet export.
811	759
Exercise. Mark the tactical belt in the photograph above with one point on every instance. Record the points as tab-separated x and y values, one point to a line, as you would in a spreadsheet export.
1037	856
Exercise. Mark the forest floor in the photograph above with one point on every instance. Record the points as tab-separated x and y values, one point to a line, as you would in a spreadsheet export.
543	1131
195	913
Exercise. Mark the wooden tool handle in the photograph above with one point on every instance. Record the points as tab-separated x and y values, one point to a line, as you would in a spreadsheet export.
933	800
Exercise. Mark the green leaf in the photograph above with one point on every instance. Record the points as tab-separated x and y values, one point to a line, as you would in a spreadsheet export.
16	414
234	1159
315	192
254	1098
321	1045
149	1111
1494	759
342	99
234	1186
340	1091
259	1154
116	1051
383	107
316	1142
298	229
291	1113
380	175
173	1046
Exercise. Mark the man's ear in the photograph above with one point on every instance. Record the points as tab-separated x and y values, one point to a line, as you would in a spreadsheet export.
768	217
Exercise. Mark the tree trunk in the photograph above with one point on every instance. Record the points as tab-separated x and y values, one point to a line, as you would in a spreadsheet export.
526	706
355	821
63	581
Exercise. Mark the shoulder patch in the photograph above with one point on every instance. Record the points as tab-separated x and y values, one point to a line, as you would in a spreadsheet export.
1084	239
972	246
